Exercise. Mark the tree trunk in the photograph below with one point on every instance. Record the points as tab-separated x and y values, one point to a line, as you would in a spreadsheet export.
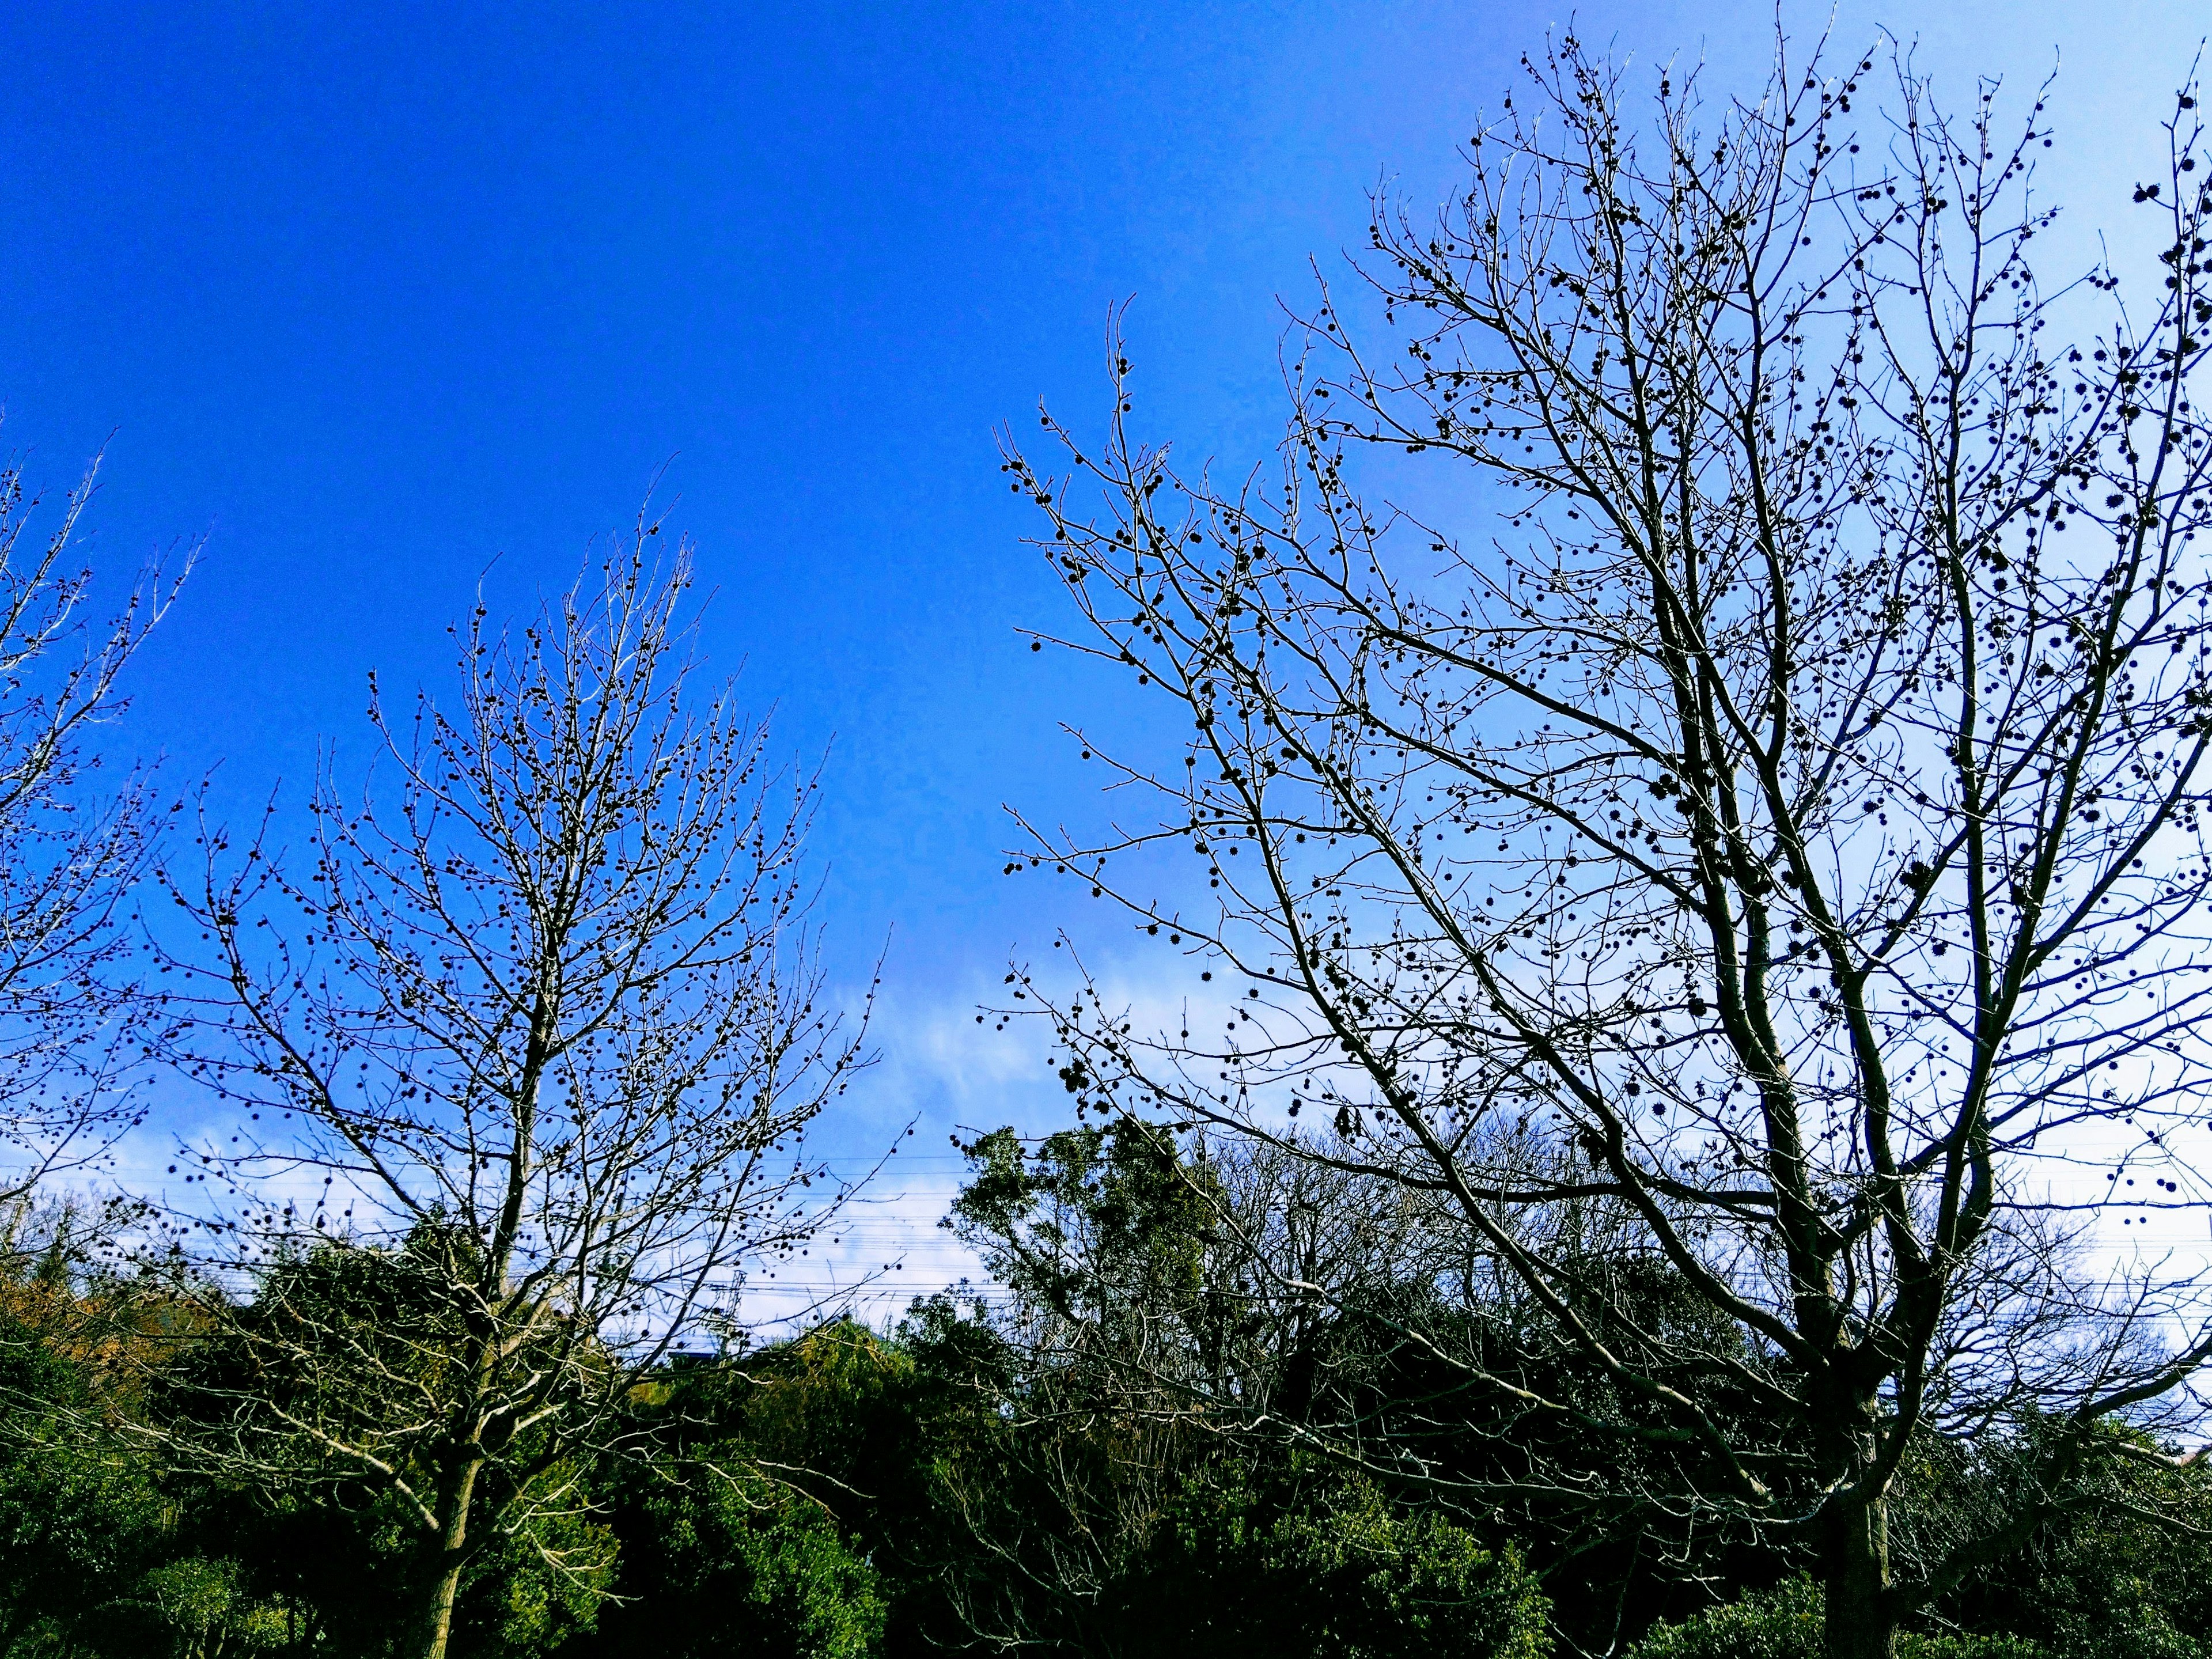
453	1553
1861	1623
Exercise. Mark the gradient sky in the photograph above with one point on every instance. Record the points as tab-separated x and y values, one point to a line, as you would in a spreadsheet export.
368	296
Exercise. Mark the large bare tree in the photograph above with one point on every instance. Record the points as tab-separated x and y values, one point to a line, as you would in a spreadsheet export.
523	1059
1723	692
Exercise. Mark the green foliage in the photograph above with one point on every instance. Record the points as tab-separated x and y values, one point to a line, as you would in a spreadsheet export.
527	1593
1347	1576
1784	1623
93	1557
187	1608
1095	1220
721	1567
867	1430
77	1524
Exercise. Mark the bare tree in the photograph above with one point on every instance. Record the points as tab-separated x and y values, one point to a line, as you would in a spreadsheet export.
536	1037
67	858
1790	809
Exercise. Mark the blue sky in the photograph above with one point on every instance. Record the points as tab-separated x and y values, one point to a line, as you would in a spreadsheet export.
368	296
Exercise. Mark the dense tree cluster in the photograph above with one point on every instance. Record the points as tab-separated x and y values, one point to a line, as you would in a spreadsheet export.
1051	1469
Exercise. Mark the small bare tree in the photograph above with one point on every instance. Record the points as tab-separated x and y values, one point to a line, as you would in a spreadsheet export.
537	1033
67	858
1790	813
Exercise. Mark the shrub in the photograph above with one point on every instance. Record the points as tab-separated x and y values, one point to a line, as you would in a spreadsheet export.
1784	1623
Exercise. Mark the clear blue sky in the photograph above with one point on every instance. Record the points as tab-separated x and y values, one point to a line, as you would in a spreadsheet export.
369	294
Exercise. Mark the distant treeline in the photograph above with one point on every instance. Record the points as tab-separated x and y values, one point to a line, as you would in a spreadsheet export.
1039	1473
